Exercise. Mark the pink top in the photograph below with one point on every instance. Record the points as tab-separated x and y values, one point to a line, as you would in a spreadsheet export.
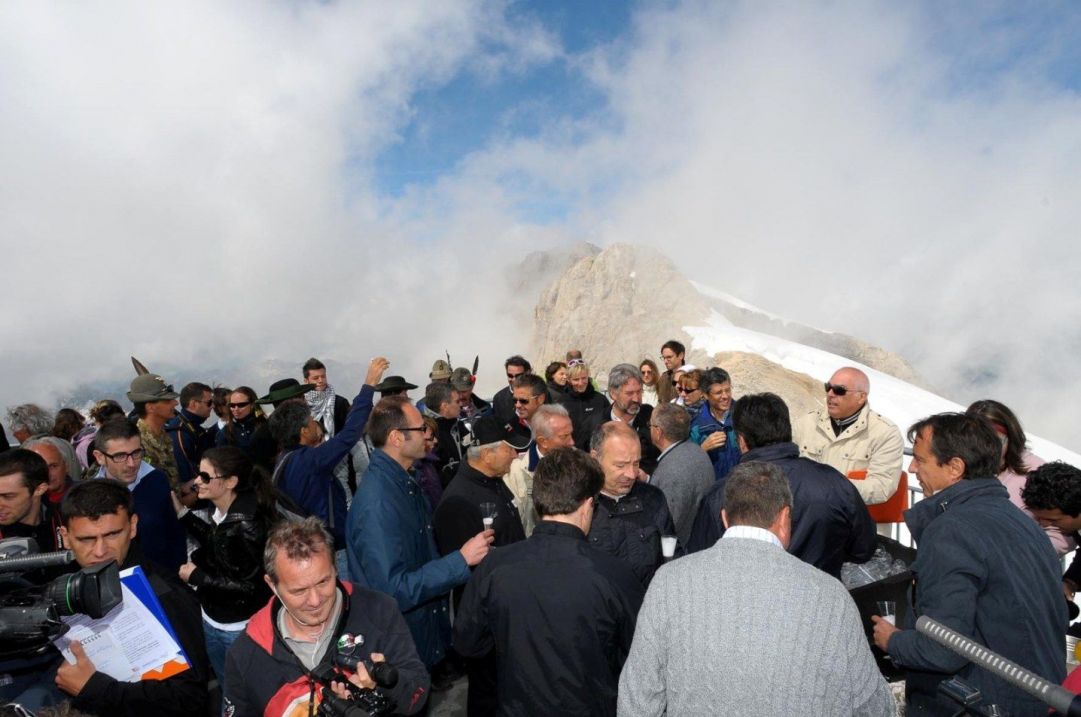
1015	483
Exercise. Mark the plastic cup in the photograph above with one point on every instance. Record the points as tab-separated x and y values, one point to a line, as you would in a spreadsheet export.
887	610
668	546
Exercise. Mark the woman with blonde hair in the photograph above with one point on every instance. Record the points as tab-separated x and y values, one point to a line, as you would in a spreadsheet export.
584	403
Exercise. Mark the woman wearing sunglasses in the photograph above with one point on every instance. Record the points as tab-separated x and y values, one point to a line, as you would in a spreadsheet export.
690	392
243	418
227	568
584	403
650	377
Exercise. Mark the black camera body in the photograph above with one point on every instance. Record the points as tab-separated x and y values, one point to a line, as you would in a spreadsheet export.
30	612
363	701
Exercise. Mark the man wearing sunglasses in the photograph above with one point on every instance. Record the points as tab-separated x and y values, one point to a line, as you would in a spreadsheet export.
672	353
186	430
852	438
503	401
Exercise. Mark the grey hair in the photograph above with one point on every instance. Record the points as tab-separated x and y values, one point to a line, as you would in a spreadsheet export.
606	431
66	451
541	423
754	493
473	452
299	539
673	420
31	417
620	374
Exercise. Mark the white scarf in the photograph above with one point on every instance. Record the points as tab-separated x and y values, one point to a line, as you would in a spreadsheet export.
321	404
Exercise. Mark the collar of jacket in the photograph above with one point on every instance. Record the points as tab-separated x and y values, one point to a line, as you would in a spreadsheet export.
919	516
562	530
708	418
263	626
858	426
534	457
243	507
589	393
185	420
391	468
630	503
772	452
469	473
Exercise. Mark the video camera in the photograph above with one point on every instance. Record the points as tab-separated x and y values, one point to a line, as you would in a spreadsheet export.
362	702
30	612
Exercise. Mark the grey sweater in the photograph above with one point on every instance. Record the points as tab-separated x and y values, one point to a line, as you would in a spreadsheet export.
744	628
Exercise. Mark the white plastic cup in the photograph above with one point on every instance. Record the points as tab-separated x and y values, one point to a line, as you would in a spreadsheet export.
887	610
668	546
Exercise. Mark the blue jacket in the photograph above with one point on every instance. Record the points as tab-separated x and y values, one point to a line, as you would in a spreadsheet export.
308	474
392	550
189	439
160	533
988	571
830	522
702	425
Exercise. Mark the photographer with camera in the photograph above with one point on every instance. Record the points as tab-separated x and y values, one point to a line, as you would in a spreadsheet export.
321	641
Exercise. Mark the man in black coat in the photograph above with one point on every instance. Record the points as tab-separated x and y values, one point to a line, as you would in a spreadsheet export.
830	522
477	499
503	401
99	524
631	516
530	601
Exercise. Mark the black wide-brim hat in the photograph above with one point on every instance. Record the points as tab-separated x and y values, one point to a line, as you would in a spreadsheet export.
394	383
284	390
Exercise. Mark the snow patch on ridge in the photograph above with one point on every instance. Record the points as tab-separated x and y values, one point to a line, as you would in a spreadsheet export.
897	400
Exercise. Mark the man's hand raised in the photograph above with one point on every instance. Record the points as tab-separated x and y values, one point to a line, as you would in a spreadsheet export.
375	370
477	547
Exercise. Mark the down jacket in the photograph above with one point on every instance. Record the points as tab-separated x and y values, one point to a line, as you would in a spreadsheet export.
631	528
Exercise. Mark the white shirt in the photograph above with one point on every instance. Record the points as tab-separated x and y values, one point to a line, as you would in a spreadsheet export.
750	532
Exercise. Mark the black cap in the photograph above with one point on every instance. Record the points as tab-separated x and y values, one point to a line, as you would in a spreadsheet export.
489	429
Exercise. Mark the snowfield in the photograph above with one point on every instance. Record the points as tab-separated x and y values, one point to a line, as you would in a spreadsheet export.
897	400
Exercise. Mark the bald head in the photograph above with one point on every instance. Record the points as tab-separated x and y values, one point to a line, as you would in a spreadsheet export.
855	386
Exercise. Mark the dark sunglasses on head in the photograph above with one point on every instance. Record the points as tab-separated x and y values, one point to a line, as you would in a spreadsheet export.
240	405
839	390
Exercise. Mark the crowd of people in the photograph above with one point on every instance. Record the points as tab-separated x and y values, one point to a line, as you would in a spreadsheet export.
646	547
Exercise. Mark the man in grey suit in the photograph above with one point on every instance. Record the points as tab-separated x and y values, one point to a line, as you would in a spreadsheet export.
684	472
779	637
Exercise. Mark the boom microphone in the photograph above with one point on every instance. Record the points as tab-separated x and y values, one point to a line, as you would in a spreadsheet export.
1057	697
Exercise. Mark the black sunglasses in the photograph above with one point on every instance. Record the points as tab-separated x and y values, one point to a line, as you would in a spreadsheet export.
840	390
406	429
239	405
523	401
205	477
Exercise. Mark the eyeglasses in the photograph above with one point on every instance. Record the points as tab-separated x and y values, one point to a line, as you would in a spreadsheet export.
840	390
206	477
407	429
240	405
684	389
524	401
136	455
513	376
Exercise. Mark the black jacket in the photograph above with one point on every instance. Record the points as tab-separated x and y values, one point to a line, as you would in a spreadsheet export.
631	528
189	440
560	616
449	450
640	424
229	563
830	522
503	405
260	668
587	410
458	518
181	695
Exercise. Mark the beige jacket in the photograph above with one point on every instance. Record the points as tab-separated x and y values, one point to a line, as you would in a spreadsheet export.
871	444
520	482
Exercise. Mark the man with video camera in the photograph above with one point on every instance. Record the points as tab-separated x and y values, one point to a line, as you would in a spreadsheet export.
318	636
99	525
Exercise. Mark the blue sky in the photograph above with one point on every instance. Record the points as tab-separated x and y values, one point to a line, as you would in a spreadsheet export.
451	120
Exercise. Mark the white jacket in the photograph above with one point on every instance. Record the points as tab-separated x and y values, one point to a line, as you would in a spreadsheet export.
520	482
871	444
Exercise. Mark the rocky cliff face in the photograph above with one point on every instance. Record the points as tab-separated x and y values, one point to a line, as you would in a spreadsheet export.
622	303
